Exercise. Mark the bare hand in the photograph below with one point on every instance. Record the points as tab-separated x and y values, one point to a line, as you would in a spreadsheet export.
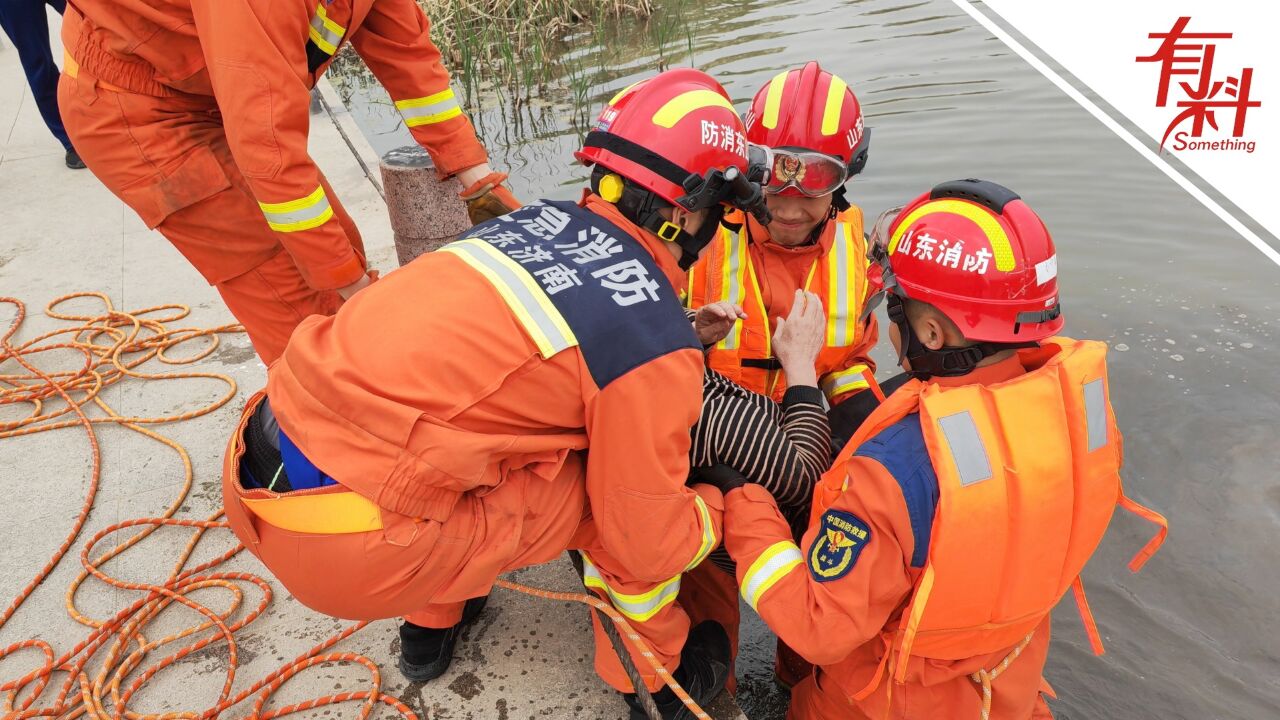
364	282
474	173
799	338
713	322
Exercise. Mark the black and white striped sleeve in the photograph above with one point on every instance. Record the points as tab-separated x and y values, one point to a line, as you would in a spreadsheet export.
784	449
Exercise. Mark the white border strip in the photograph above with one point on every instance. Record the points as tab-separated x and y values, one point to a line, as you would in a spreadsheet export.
1084	102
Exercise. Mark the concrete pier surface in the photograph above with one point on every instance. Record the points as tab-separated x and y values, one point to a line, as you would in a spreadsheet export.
62	232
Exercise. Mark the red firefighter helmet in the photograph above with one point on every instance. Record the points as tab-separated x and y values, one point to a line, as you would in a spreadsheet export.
977	252
666	131
810	109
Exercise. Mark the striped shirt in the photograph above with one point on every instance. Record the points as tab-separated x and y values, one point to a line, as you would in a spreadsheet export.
785	448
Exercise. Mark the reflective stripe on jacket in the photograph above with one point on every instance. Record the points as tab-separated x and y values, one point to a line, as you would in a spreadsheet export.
553	330
737	269
257	60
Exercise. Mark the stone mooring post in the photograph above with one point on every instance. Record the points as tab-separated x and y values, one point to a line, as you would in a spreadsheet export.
426	213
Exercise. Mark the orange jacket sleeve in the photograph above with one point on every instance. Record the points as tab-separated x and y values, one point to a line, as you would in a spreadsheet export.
637	465
816	602
395	42
257	63
851	367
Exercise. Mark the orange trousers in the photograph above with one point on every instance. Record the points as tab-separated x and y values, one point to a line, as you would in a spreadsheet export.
818	698
168	159
709	593
425	570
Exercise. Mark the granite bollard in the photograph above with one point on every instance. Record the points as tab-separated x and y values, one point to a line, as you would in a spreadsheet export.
426	213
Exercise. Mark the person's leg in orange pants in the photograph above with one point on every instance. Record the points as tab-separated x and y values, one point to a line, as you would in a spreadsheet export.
665	631
812	700
709	593
789	668
271	299
168	160
411	568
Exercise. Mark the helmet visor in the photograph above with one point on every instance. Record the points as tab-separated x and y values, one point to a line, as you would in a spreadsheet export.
812	174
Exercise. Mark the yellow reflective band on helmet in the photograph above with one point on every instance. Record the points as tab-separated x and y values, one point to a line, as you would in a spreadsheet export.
1000	247
531	306
772	565
325	33
430	109
301	214
326	514
681	105
709	540
838	383
635	607
614	100
835	102
732	286
773	100
842	273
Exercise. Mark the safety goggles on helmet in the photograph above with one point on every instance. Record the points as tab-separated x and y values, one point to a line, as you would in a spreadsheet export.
879	272
809	173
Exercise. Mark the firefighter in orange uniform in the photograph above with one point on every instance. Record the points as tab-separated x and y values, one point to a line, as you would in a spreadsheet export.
527	389
195	114
806	127
967	504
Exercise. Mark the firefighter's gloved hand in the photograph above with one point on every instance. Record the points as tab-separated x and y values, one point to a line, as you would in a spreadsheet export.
722	477
487	198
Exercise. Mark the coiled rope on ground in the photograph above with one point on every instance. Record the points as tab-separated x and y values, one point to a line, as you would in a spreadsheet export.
113	345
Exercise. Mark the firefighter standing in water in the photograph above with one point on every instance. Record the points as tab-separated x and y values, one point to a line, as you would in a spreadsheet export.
807	128
527	389
967	504
195	113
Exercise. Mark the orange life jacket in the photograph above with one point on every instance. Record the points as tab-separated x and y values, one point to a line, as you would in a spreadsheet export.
839	276
1028	478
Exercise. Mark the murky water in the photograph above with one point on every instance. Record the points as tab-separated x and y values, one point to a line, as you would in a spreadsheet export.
1190	309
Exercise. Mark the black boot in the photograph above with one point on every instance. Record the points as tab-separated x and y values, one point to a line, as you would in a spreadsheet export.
703	671
425	653
73	160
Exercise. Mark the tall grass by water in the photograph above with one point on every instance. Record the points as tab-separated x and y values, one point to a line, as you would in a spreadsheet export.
533	55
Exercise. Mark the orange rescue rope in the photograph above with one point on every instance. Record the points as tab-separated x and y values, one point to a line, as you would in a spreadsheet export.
113	344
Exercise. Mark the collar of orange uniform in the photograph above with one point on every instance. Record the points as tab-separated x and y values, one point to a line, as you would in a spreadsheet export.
760	234
653	245
1003	371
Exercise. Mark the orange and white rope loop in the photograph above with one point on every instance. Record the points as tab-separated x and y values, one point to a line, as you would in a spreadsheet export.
113	345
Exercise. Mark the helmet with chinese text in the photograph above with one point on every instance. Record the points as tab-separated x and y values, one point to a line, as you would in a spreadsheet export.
810	109
667	132
976	252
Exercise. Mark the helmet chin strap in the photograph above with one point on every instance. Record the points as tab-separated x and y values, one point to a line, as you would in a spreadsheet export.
945	361
691	244
644	208
839	201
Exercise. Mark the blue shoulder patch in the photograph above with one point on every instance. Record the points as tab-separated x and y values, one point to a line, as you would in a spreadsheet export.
608	289
837	546
900	449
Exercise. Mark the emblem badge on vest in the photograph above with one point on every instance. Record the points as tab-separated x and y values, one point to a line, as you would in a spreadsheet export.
839	543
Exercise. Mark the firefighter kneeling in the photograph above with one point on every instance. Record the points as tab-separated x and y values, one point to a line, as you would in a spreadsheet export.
967	504
524	390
